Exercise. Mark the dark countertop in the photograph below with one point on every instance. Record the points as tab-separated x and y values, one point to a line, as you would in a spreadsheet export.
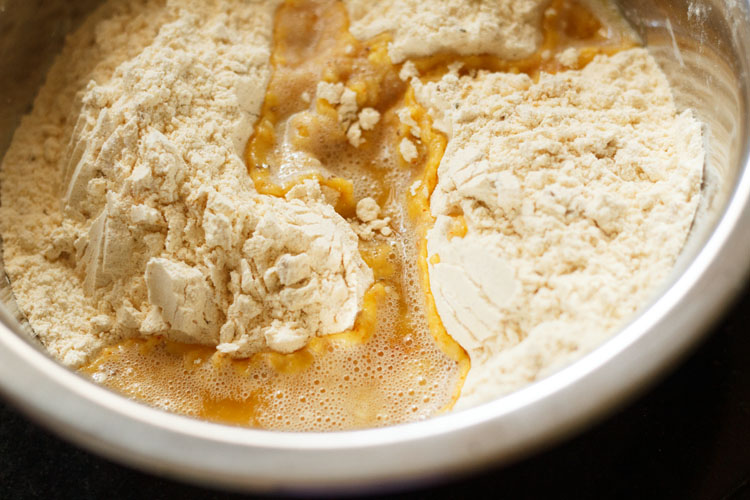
689	437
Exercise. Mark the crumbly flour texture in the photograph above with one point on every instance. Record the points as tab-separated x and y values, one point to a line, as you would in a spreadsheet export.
128	211
508	29
577	191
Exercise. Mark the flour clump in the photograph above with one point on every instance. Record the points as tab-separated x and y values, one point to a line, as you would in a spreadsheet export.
577	191
508	29
160	229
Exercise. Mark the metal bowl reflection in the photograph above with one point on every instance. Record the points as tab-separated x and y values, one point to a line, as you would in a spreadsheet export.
703	47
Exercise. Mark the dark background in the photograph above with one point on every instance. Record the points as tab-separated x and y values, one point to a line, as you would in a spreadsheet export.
689	437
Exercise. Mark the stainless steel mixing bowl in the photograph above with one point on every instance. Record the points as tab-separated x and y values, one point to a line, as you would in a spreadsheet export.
703	46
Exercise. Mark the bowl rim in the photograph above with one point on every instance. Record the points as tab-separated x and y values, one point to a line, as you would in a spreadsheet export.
499	431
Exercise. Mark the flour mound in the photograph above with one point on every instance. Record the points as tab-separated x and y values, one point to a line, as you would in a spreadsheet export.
578	192
508	29
301	275
147	222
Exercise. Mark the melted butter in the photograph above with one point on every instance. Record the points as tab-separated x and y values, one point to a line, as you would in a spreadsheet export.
398	363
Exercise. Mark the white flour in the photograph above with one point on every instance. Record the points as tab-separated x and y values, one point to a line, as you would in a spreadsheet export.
578	193
161	230
508	29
